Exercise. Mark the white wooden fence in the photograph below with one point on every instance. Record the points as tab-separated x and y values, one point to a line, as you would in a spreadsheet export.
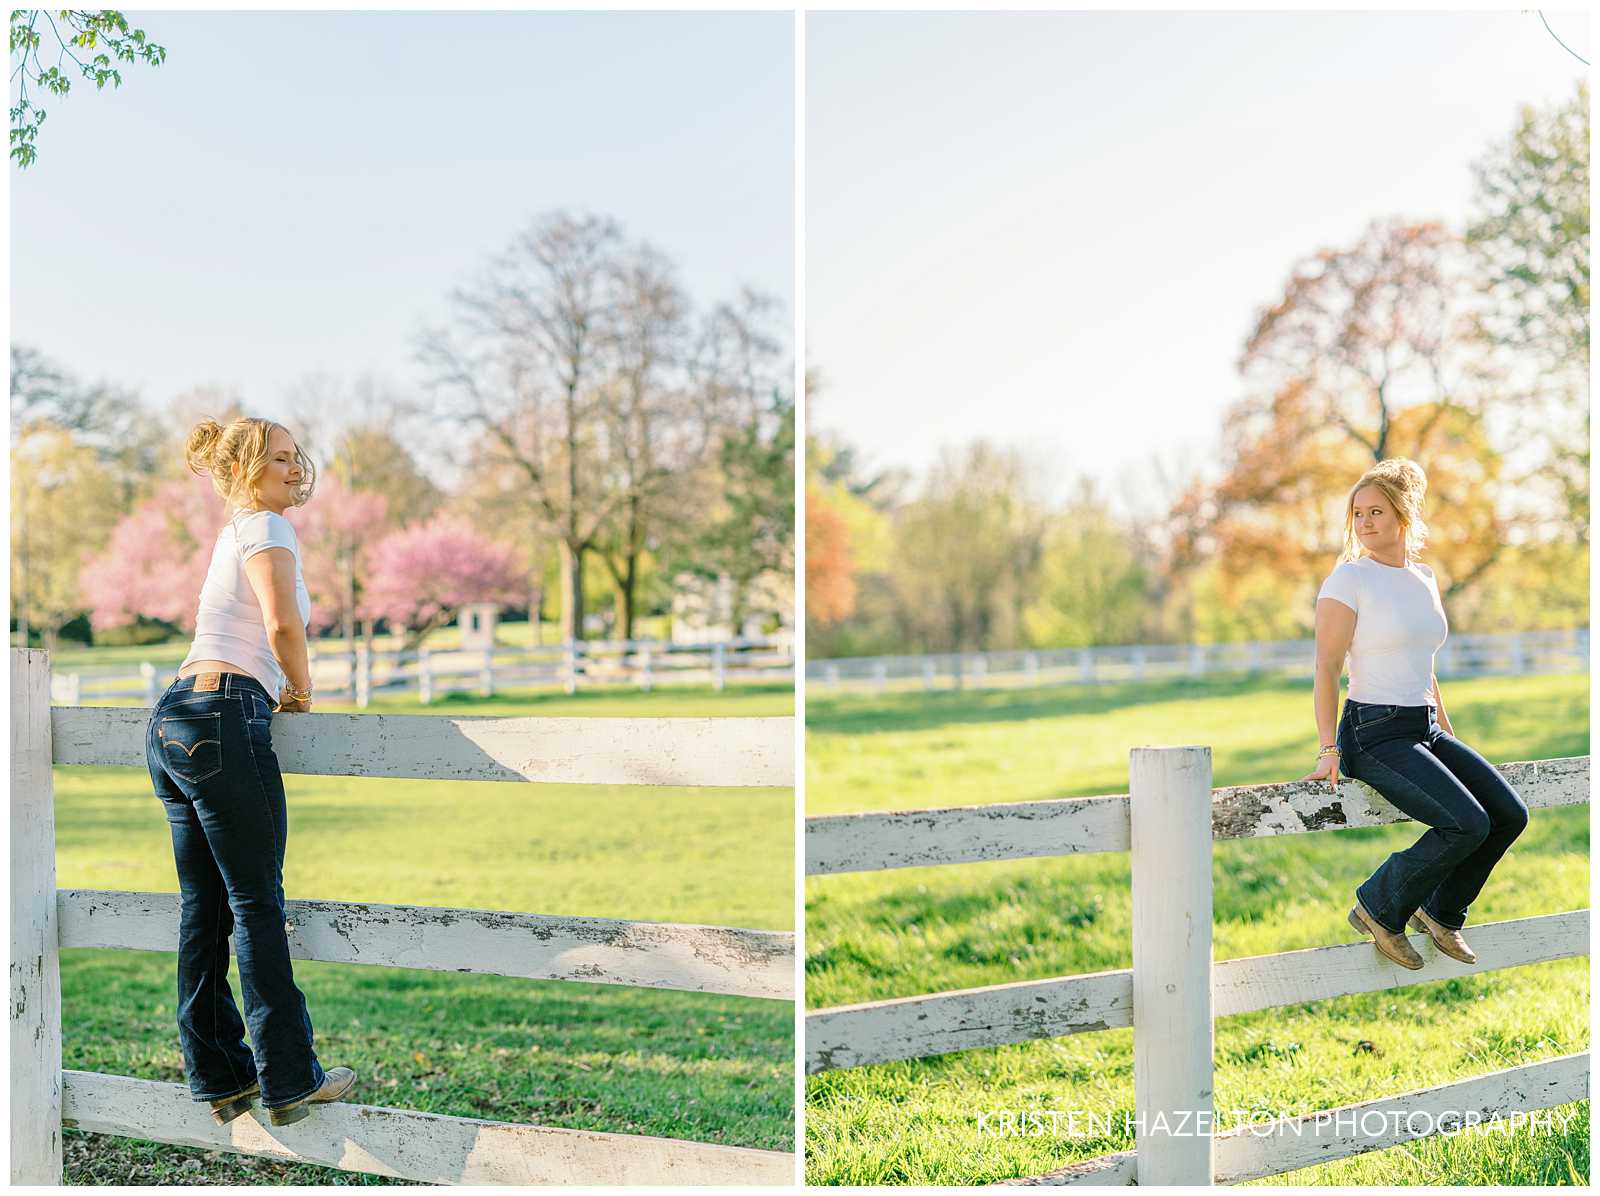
1515	654
431	673
383	1141
1173	992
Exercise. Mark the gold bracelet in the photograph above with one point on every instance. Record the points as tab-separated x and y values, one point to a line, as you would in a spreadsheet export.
297	695
1330	750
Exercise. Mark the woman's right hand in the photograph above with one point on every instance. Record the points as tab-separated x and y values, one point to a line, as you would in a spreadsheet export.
288	705
1327	767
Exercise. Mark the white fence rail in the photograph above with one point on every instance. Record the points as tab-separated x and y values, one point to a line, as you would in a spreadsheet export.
432	673
396	1142
1514	654
1173	992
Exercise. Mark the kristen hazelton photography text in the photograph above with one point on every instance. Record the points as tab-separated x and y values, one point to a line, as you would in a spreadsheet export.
1371	1123
289	589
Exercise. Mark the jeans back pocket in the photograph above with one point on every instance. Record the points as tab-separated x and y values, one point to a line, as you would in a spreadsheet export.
191	745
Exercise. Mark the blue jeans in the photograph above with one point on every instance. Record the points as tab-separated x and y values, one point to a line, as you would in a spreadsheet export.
1403	753
211	761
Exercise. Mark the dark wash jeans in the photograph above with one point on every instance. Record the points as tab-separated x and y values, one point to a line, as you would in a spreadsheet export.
211	760
1403	753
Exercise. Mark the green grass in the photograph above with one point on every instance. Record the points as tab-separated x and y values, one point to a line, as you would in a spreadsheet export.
591	1056
904	932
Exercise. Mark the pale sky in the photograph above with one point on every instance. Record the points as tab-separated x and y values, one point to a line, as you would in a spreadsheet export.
1056	230
293	193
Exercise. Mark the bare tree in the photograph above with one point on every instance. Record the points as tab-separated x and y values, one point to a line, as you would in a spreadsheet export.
523	358
656	428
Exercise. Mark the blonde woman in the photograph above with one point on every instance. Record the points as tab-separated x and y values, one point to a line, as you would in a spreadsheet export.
1381	606
209	749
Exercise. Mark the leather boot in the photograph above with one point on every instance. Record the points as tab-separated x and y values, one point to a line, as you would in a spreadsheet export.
335	1083
1447	940
225	1108
1395	946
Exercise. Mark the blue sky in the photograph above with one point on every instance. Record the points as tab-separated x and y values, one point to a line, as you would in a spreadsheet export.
1056	229
293	193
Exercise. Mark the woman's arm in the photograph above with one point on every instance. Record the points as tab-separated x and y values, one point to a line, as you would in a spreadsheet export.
1438	705
1336	626
271	574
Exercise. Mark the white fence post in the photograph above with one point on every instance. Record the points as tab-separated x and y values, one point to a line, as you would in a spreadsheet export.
569	664
148	672
645	679
363	693
719	665
927	672
424	676
1170	811
35	953
1086	665
1030	666
486	674
880	676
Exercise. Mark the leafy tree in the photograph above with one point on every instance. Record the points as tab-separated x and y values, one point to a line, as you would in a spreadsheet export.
1092	580
155	561
1531	232
422	575
830	579
104	418
91	31
338	531
1531	228
1369	353
63	505
967	550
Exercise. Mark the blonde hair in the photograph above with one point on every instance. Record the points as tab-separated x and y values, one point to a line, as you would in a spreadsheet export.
212	449
1403	483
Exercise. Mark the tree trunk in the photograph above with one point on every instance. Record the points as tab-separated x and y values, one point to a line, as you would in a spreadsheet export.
572	591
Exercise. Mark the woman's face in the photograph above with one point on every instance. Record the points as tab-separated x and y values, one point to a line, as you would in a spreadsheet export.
282	472
1376	522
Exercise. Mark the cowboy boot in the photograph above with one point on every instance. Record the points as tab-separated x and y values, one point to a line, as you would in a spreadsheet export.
1395	946
225	1108
1446	939
335	1084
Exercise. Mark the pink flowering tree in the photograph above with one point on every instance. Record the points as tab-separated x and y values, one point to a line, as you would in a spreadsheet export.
156	558
421	576
338	531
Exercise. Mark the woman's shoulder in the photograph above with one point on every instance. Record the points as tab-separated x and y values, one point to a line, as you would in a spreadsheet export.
1343	584
264	528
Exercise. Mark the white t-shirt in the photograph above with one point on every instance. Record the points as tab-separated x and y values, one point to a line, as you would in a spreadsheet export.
1400	624
229	625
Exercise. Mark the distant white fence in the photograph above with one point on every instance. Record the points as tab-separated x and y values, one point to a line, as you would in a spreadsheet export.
1513	654
643	664
1173	992
421	1146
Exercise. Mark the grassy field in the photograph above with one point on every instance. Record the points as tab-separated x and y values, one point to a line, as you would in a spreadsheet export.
591	1056
923	930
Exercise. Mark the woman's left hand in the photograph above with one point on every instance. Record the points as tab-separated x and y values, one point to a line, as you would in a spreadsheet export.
1327	766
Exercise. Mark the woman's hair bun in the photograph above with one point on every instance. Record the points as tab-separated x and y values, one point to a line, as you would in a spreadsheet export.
201	447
